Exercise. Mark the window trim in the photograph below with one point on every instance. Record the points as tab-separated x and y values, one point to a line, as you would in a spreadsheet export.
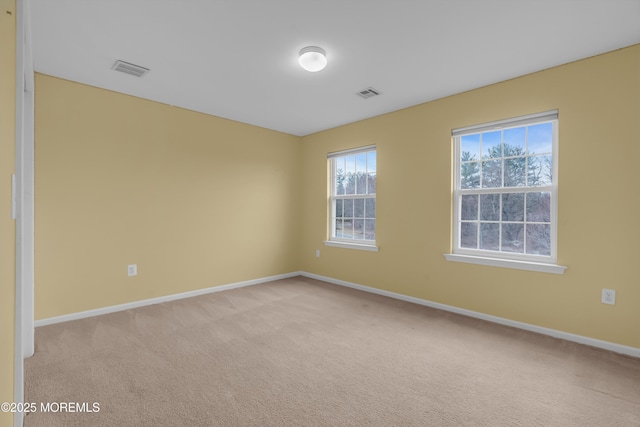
351	245
507	263
366	245
507	259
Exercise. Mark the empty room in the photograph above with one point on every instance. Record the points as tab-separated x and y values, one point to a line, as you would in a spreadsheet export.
319	213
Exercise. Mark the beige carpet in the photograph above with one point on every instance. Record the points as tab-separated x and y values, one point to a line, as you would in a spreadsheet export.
300	352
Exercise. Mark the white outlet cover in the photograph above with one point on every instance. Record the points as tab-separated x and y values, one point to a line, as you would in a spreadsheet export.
608	296
132	270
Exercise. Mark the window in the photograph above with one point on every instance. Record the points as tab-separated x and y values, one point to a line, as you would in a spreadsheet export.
505	194
353	198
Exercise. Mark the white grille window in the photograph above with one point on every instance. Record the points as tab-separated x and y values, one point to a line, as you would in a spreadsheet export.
353	197
505	194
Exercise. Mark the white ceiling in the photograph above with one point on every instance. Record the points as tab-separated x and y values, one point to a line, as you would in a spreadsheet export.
238	58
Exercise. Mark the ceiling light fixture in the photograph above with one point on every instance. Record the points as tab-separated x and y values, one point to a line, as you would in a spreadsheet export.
312	58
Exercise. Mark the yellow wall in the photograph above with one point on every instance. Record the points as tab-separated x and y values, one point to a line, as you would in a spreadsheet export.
7	225
199	201
194	200
599	231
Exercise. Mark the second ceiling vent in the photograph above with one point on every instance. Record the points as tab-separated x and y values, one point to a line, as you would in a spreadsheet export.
128	68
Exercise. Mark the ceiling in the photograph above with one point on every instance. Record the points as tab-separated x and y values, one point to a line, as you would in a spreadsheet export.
238	58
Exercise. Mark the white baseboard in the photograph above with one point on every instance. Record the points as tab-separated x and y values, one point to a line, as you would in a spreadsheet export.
617	348
158	300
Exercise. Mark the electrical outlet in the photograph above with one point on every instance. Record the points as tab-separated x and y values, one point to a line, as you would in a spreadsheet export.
132	270
317	253
608	296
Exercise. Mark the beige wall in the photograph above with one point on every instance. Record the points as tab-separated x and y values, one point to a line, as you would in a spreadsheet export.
198	201
7	225
194	200
599	232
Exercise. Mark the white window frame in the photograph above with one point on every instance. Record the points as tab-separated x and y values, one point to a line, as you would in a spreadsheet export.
499	258
361	244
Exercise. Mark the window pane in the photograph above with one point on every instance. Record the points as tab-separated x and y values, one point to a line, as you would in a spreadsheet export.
350	184
358	228
348	208
350	164
492	145
513	207
469	235
361	173
370	229
540	171
515	139
469	207
371	161
338	208
492	174
340	175
513	238
358	208
361	162
371	183
515	172
490	207
339	227
350	168
539	207
370	208
361	183
347	229
470	147
489	236
513	151
540	137
539	239
470	175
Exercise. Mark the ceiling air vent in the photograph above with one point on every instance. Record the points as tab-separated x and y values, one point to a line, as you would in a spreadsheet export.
127	68
368	93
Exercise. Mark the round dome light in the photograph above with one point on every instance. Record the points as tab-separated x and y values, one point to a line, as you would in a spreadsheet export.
312	58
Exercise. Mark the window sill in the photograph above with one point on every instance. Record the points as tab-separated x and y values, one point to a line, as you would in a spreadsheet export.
507	263
349	245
